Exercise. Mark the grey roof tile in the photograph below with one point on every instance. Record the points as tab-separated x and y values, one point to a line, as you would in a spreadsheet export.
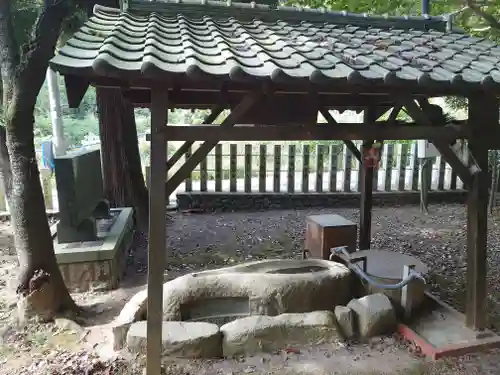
189	39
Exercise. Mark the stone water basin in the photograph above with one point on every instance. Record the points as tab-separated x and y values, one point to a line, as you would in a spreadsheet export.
267	287
387	267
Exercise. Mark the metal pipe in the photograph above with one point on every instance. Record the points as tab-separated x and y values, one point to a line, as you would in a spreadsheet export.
426	7
413	275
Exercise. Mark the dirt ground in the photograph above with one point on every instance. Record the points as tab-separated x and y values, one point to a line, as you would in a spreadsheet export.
201	241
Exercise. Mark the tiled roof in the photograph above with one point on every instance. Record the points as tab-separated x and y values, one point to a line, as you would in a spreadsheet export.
252	42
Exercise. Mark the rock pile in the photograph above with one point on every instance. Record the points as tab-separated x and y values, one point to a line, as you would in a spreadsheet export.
365	317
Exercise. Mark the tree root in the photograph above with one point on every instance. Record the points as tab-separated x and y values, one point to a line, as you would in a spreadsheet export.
40	296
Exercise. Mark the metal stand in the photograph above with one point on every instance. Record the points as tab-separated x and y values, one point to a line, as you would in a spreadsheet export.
409	275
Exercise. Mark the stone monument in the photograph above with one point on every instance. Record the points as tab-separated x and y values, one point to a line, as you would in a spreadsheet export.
81	196
91	240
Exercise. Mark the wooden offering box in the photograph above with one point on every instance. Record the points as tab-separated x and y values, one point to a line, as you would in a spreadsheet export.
326	231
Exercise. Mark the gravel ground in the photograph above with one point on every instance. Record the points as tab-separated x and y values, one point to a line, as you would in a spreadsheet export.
202	241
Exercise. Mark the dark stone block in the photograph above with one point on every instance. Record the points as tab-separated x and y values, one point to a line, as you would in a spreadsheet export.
80	195
79	185
102	210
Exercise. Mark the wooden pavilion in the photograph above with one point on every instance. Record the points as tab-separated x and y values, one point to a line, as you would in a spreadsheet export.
275	69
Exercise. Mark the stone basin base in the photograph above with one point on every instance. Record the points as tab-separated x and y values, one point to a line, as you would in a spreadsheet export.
97	264
267	287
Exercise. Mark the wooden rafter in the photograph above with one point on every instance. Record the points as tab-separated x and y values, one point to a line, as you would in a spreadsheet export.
349	144
442	146
201	152
216	111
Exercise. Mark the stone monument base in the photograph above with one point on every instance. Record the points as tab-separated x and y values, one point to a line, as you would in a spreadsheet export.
97	264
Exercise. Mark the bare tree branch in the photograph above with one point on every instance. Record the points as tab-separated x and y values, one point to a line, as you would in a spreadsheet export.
37	53
490	19
9	51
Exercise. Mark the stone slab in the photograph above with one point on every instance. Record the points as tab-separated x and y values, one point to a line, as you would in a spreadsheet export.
345	320
254	334
105	248
179	339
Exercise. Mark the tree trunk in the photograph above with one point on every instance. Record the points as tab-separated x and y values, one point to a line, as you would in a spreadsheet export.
124	184
40	280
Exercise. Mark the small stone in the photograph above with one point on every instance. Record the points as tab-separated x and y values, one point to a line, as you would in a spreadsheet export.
375	315
179	339
134	310
345	319
256	333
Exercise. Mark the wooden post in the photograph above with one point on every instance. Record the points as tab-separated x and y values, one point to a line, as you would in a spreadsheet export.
347	169
248	168
334	163
483	114
442	172
291	169
203	174
305	168
157	229
262	168
188	182
414	167
366	175
389	155
233	155
218	167
402	161
277	169
365	214
319	168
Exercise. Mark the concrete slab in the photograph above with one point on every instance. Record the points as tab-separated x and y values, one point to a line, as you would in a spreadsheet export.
440	331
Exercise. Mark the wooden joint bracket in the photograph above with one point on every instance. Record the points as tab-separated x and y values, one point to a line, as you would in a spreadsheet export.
464	172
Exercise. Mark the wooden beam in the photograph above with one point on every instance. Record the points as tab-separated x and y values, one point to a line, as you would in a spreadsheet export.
349	144
321	132
454	161
157	230
206	99
216	111
246	104
483	111
442	146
